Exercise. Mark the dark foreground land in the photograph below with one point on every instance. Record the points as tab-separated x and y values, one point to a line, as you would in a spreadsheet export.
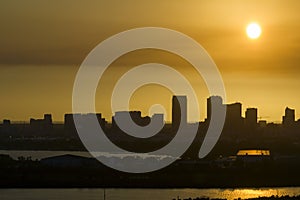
83	172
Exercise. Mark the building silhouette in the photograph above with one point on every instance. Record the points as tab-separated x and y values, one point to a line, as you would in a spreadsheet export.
159	117
234	119
133	124
235	125
46	121
216	101
41	125
69	122
179	111
234	112
262	123
251	117
6	126
137	118
289	118
69	125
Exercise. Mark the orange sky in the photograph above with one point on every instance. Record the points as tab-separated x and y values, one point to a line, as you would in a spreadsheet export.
44	42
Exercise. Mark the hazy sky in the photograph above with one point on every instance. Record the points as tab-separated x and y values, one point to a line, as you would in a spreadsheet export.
42	44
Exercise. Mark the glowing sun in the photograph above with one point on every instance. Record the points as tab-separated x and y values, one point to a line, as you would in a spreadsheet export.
253	30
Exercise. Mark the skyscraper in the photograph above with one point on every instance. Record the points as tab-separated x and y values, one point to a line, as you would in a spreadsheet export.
216	101
234	119
289	118
251	117
179	111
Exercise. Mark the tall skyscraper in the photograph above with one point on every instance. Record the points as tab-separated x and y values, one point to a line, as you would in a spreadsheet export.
234	119
251	117
179	111
289	118
234	111
213	101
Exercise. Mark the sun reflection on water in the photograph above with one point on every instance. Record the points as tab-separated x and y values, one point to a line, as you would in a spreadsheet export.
254	193
251	193
243	193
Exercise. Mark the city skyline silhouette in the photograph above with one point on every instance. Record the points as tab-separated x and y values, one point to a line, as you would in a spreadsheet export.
287	111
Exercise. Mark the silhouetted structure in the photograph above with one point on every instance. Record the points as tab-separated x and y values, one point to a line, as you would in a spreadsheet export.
69	122
251	117
136	116
234	112
213	101
234	119
158	117
262	123
236	131
6	126
42	125
69	125
289	118
6	122
126	123
179	111
253	156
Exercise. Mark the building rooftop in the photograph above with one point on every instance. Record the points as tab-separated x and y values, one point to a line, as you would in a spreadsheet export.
253	152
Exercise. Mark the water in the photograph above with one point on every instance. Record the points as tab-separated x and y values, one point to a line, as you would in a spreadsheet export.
137	194
42	154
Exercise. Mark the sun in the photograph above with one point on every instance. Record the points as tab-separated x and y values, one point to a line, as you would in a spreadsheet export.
253	30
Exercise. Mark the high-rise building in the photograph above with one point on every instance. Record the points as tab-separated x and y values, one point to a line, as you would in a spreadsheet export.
289	118
234	111
179	111
251	117
216	101
234	119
